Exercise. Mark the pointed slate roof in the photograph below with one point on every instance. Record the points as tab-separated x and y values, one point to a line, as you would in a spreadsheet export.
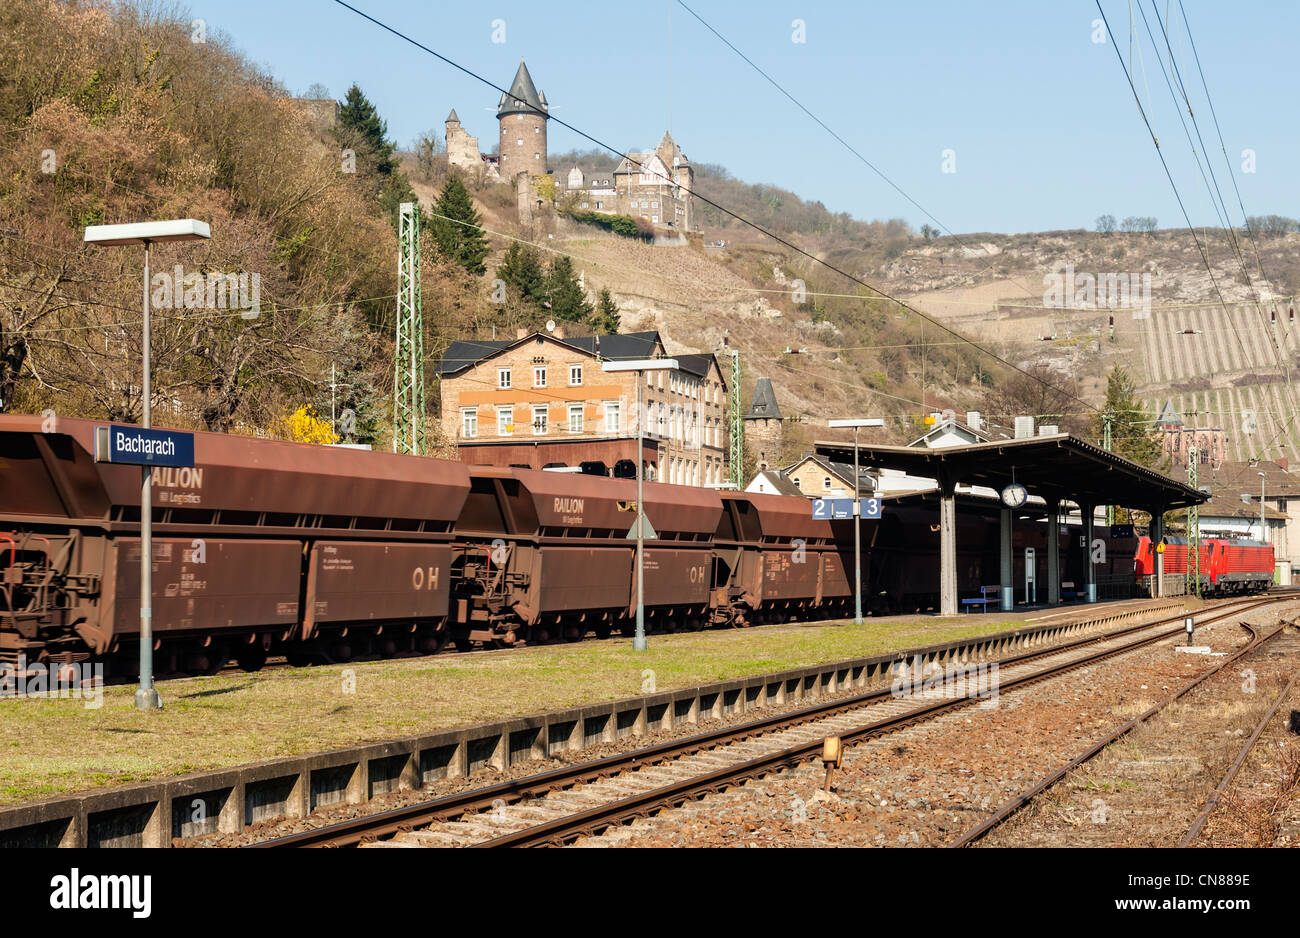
763	403
452	117
523	97
1169	417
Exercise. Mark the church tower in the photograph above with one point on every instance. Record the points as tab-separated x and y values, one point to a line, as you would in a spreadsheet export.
523	114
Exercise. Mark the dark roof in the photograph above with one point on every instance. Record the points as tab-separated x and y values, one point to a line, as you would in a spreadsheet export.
452	117
622	345
781	482
1059	466
763	404
841	470
462	355
1236	478
697	365
523	97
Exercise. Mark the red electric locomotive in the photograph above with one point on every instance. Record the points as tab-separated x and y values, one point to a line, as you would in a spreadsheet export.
1226	565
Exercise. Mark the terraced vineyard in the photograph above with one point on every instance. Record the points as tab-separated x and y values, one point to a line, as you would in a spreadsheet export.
1230	374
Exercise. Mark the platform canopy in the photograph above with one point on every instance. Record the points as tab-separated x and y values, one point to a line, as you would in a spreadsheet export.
1058	467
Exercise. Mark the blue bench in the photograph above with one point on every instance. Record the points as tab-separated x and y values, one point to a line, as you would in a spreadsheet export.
989	595
1069	592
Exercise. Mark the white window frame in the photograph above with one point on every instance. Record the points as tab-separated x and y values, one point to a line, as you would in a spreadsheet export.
544	412
469	422
613	413
503	379
505	421
575	371
539	376
576	415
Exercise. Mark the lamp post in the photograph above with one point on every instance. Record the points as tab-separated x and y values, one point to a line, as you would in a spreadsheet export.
1263	530
857	509
640	366
147	233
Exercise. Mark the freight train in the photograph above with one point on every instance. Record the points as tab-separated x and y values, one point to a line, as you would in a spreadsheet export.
274	548
1226	566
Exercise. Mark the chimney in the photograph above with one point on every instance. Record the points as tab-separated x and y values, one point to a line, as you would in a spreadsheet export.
558	332
973	419
1024	427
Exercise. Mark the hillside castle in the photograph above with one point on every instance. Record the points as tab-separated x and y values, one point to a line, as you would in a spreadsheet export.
656	185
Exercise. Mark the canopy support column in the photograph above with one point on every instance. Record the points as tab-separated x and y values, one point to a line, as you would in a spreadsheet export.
1085	515
1008	587
947	545
1053	551
1157	535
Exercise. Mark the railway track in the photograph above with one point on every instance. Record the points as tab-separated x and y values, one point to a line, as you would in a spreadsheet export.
1011	807
564	804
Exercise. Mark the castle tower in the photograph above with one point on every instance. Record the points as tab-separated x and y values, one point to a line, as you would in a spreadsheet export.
763	425
462	149
523	114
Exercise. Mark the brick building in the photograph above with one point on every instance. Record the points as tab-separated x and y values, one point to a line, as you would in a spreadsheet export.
546	387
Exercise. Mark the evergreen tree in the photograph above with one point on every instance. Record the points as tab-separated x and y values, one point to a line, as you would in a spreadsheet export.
605	319
358	116
568	301
521	269
456	232
1130	425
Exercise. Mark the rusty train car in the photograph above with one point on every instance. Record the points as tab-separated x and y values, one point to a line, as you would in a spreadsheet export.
269	548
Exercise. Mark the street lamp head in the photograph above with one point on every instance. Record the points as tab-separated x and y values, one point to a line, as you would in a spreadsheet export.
148	232
641	364
866	422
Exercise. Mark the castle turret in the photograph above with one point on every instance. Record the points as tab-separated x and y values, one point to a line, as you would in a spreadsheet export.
523	113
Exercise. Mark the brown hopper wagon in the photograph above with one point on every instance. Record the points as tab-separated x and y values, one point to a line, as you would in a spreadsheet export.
544	555
264	546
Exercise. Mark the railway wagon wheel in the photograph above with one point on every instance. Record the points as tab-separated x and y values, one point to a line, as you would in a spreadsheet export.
251	658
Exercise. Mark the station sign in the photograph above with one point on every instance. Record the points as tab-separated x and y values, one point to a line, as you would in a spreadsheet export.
1121	530
136	446
836	509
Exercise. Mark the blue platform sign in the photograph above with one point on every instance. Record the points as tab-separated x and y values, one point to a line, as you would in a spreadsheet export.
836	509
136	446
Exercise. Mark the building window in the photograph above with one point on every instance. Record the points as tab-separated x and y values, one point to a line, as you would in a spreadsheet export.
584	204
826	483
537	156
539	376
575	375
600	205
469	422
540	415
503	378
612	409
537	130
575	418
505	421
655	219
795	480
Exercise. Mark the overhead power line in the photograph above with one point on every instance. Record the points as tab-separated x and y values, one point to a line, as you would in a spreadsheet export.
745	221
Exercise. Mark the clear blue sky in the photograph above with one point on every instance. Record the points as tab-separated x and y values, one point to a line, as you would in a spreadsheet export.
1045	130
